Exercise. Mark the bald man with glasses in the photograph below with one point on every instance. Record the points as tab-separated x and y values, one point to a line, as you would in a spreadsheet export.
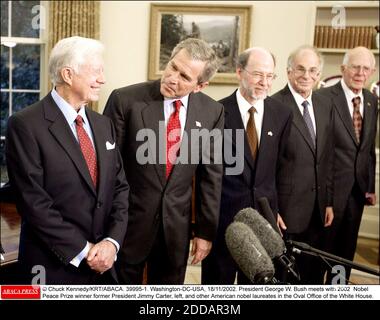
304	181
265	124
356	116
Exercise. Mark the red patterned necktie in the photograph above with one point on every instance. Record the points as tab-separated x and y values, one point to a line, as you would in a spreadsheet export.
87	150
173	137
357	118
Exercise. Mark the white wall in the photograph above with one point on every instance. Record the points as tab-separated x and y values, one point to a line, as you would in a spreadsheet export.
279	26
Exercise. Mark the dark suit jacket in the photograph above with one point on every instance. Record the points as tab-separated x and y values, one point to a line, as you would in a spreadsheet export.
60	207
258	179
152	198
305	174
353	162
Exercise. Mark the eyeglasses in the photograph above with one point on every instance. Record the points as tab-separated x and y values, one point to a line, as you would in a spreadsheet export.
357	69
301	71
261	76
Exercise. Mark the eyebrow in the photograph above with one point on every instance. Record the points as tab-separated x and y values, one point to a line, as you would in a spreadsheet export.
181	73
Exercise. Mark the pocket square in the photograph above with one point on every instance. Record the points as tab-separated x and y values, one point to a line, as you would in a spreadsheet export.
270	133
110	146
198	124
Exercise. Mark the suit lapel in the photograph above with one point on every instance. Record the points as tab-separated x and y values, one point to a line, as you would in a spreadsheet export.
61	131
194	111
340	102
234	121
321	122
97	132
298	120
367	119
152	115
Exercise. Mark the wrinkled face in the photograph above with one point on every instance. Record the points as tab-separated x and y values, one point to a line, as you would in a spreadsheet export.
257	76
305	72
358	70
181	75
85	86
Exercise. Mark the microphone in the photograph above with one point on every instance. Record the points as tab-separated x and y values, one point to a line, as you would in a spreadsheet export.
269	238
248	253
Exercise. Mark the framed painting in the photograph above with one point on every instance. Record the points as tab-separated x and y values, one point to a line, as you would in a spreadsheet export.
225	28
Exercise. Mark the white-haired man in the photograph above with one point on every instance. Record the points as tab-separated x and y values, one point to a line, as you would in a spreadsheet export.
355	123
68	175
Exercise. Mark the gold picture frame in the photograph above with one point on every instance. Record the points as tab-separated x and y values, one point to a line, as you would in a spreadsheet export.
225	27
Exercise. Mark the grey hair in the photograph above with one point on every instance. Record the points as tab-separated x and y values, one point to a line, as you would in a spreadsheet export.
201	51
346	57
244	56
72	52
293	55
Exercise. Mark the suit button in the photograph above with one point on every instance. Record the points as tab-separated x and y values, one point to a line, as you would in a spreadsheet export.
98	204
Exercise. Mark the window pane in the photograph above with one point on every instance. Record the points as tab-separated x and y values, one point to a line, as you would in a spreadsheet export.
4	112
26	67
22	17
4	72
23	99
4	18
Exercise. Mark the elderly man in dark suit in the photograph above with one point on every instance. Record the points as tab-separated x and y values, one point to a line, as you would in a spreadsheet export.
158	119
70	184
304	179
264	124
356	116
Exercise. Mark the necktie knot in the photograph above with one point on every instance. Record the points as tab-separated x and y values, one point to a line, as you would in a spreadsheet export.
305	104
356	102
79	121
252	110
177	105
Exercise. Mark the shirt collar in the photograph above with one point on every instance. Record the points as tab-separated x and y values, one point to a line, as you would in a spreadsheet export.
68	111
300	99
184	100
244	105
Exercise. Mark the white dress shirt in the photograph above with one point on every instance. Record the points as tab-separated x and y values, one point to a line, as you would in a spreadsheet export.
169	109
244	106
349	96
299	100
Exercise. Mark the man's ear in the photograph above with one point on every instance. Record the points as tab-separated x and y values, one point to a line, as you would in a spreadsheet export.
67	75
200	86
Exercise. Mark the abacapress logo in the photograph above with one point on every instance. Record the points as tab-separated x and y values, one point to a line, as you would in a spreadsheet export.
20	292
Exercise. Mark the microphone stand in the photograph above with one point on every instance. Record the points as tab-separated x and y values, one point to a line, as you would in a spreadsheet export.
303	248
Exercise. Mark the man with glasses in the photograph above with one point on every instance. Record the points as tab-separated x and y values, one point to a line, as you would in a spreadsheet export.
356	113
264	124
304	177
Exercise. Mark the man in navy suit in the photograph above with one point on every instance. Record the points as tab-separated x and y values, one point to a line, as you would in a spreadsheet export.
354	157
265	128
68	175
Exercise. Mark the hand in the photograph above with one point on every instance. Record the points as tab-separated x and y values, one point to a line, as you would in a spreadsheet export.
101	256
201	248
329	216
281	224
370	198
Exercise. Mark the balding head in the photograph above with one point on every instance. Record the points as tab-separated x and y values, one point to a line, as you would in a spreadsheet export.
254	53
358	66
